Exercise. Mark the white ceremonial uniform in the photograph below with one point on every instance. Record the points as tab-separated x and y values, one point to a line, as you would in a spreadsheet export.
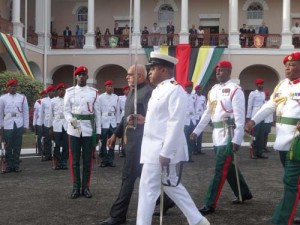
164	136
255	101
200	106
45	111
224	100
191	110
14	110
57	119
82	100
37	113
122	101
285	102
109	107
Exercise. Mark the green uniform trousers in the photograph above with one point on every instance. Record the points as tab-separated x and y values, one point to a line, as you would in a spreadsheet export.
108	156
258	143
224	169
80	146
61	141
188	129
13	144
286	208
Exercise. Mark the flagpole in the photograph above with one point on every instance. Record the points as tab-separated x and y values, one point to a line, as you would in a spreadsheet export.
26	21
130	34
229	31
45	43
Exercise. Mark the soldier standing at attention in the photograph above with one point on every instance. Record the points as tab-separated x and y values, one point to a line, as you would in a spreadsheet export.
110	112
81	112
14	118
37	122
225	107
58	128
256	100
45	116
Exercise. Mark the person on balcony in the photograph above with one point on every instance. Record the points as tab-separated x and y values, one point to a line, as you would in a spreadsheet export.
193	35
145	35
251	34
200	36
170	33
125	36
296	34
155	33
118	32
54	38
67	37
264	31
79	37
98	37
106	37
243	35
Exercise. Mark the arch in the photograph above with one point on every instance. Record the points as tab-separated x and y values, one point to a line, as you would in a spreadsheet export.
64	74
2	65
79	5
160	3
249	2
250	73
36	70
112	72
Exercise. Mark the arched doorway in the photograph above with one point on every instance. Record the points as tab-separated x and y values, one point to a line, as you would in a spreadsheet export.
64	74
36	71
115	73
251	73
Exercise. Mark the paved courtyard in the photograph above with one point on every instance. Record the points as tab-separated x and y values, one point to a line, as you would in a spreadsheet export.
40	196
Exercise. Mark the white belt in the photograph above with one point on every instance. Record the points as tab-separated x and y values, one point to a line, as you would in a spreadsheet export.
12	115
107	114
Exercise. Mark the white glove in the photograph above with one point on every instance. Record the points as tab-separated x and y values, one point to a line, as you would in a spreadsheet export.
73	122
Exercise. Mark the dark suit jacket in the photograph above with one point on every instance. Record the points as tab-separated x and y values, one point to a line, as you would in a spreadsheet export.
170	29
67	33
263	30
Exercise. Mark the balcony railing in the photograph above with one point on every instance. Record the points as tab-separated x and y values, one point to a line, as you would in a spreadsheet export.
6	26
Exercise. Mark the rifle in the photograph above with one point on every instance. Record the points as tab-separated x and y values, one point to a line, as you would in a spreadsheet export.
36	144
252	139
3	161
53	161
43	148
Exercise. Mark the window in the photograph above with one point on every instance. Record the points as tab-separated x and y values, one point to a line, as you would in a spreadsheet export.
82	18
255	11
166	13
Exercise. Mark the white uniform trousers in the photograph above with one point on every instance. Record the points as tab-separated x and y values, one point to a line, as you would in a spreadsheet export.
149	190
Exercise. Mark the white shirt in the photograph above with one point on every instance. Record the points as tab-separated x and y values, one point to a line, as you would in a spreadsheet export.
45	111
14	110
229	101
122	101
285	101
255	101
37	113
190	110
57	119
295	30
109	108
200	106
164	126
82	101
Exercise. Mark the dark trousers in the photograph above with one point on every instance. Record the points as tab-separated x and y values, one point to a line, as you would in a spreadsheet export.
47	143
108	156
224	170
13	144
258	143
61	141
39	134
198	143
188	129
80	146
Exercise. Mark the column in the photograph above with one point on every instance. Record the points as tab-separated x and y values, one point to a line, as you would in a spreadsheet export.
184	32
136	36
90	35
234	34
17	25
43	19
286	35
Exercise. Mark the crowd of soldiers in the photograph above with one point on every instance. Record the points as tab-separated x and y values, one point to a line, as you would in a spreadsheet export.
161	125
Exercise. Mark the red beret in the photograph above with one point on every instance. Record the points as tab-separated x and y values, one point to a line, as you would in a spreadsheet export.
50	88
197	87
267	92
43	92
108	82
225	64
125	88
60	85
188	83
11	82
292	57
259	81
81	69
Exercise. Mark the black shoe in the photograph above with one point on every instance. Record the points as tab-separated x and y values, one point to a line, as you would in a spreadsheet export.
103	164
63	167
111	164
113	221
17	170
75	194
168	206
244	198
262	157
57	167
205	210
254	157
296	220
195	152
86	193
201	153
191	161
8	170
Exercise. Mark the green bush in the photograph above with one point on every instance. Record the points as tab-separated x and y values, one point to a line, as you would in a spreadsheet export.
27	85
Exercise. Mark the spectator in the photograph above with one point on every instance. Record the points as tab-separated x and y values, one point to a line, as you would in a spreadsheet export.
296	33
251	34
106	37
264	31
243	35
98	37
117	32
125	36
193	35
223	38
200	36
145	35
54	38
67	37
155	33
170	34
79	37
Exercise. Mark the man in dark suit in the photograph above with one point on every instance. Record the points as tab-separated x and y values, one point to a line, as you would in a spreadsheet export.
251	34
67	37
170	33
243	37
117	32
193	35
264	31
